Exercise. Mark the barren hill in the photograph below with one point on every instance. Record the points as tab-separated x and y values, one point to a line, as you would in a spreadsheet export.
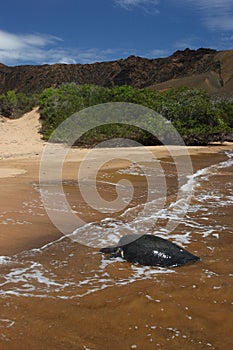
202	68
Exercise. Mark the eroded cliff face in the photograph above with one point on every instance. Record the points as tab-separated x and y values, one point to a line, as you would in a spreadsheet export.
202	65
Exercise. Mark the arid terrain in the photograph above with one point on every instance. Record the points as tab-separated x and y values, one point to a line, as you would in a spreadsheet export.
203	68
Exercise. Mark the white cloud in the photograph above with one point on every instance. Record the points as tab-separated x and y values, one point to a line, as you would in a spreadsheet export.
153	53
217	4
144	4
225	23
227	38
18	49
42	48
11	41
189	42
156	53
215	14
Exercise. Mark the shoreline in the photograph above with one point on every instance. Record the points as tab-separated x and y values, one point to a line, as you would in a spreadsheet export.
24	223
10	166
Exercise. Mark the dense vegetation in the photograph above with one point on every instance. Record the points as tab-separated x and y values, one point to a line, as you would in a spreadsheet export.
197	118
14	105
193	113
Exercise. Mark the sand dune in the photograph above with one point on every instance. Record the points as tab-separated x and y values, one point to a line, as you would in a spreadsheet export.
20	137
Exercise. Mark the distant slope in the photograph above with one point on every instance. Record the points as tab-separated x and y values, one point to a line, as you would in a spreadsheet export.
226	60
210	81
216	82
202	68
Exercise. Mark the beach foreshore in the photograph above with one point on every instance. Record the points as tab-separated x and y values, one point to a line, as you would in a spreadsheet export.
24	223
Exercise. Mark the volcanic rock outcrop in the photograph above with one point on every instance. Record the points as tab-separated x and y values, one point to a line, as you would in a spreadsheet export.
202	68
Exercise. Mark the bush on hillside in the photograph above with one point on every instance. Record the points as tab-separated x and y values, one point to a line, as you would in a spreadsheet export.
191	111
14	105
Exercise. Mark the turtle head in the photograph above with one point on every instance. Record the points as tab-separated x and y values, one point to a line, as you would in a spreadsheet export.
114	252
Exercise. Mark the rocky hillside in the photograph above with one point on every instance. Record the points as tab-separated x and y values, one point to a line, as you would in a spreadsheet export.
202	68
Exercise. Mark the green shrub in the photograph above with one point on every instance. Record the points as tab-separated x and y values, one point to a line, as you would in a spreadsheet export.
191	111
14	105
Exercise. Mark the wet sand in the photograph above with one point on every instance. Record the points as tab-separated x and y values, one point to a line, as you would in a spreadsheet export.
24	223
188	309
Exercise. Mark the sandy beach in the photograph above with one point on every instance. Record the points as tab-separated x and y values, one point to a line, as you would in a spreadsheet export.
24	223
68	296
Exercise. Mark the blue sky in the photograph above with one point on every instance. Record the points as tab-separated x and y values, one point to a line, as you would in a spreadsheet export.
86	31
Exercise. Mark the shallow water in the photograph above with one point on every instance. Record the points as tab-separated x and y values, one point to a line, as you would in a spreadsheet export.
67	295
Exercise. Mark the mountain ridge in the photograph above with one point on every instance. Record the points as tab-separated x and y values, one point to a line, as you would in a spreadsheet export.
203	68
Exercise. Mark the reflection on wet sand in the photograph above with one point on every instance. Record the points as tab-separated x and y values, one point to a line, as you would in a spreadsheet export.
68	296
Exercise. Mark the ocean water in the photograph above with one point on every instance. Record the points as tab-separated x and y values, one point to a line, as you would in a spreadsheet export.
68	272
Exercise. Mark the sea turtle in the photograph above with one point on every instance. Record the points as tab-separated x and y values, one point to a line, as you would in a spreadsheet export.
150	250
